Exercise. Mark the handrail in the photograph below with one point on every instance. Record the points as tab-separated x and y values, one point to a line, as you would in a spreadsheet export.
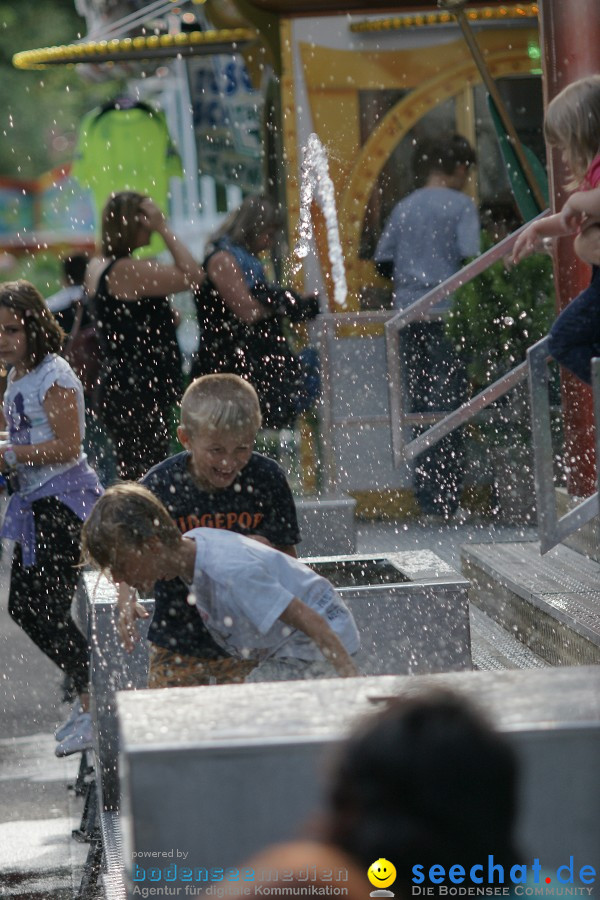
551	529
463	276
403	448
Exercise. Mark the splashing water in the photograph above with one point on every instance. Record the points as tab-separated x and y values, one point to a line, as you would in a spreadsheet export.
316	184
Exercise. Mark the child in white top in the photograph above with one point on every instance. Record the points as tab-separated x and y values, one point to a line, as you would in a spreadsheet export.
53	486
256	602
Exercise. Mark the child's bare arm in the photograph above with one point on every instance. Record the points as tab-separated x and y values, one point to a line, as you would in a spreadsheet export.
587	244
580	206
299	615
530	240
60	405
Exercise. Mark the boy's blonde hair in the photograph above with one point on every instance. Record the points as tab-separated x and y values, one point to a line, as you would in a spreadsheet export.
572	123
125	517
220	402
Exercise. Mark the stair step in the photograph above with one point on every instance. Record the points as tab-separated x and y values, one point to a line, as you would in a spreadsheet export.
550	603
494	650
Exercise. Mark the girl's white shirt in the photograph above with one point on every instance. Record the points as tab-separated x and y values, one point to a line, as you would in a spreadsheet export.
27	420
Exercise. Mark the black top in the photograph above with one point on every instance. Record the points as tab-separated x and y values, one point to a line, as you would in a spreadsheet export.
139	342
258	352
258	502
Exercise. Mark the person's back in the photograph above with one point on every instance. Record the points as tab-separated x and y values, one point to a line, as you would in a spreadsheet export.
428	237
242	587
429	234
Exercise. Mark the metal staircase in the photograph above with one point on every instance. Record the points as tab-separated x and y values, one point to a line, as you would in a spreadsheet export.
550	601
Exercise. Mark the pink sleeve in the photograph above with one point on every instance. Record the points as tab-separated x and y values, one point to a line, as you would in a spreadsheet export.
592	176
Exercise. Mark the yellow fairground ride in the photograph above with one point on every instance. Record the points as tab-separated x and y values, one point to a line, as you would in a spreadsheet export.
369	81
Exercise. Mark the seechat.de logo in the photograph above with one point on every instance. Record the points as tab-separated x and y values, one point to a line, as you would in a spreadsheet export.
520	879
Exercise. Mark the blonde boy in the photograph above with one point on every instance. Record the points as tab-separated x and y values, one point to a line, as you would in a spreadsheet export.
218	481
257	603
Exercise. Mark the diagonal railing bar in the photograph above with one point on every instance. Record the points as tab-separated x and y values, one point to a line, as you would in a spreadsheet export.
466	412
402	447
552	529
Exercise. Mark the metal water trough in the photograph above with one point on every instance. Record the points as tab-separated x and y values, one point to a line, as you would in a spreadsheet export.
112	669
411	609
212	775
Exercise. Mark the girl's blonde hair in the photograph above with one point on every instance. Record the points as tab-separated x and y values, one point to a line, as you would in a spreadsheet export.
120	223
218	403
572	123
42	332
125	517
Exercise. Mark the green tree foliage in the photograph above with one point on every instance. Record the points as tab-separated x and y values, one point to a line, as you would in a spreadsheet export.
40	109
501	313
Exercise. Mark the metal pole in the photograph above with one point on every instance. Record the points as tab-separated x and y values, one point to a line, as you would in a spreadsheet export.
456	7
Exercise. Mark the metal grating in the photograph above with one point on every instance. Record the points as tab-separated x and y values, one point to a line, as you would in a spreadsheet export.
112	879
494	649
576	608
520	565
554	625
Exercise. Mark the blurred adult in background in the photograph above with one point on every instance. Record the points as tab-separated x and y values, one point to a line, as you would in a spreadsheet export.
83	352
241	315
141	377
425	782
64	303
429	236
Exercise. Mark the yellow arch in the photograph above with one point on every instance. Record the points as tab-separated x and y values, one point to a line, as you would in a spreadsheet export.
392	128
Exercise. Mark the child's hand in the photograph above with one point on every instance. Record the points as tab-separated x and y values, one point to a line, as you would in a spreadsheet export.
129	612
529	241
347	669
570	218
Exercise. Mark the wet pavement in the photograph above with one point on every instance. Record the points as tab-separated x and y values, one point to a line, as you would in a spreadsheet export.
39	859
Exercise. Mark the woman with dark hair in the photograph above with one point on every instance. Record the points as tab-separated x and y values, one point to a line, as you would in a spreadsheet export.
425	782
141	376
240	314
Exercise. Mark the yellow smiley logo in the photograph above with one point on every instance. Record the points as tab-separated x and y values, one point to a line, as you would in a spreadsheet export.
381	873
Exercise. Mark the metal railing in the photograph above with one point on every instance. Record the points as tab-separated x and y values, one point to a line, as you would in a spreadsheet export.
552	529
325	329
405	448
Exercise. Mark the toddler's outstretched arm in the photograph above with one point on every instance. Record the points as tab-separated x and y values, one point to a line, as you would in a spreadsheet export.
580	208
299	615
531	239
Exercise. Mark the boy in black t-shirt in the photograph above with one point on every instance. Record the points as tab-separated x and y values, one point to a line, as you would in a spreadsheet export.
217	482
